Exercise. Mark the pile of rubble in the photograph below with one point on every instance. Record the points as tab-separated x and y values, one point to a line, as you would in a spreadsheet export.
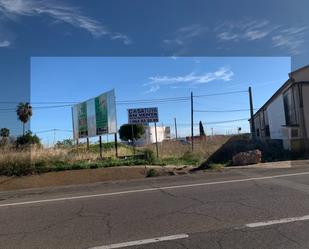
246	158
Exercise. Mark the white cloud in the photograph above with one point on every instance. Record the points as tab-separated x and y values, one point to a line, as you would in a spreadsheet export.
244	30
185	34
68	14
4	43
291	39
256	34
191	79
227	36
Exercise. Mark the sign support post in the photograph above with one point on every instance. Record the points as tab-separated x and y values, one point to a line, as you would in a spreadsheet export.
156	135
88	143
101	156
116	145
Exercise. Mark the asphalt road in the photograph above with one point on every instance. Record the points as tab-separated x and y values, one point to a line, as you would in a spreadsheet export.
247	208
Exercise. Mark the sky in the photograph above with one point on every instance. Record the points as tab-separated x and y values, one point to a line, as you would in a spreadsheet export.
75	79
138	28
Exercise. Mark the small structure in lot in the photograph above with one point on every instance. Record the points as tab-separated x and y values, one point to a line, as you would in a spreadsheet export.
285	116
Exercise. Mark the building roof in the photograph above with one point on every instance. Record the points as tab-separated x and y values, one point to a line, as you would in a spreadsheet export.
297	70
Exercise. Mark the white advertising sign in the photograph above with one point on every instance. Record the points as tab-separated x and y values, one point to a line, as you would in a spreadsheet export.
95	116
143	115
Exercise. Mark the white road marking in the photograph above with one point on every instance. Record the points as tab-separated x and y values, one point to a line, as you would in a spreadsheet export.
143	242
151	189
274	222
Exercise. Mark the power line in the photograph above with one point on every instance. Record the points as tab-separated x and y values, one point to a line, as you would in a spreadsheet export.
227	121
215	122
51	130
52	104
222	111
217	94
131	101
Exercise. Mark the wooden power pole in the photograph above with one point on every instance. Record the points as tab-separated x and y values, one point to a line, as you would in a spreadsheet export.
252	125
176	128
192	133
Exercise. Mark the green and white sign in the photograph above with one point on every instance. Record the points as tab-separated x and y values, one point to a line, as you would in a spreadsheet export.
95	116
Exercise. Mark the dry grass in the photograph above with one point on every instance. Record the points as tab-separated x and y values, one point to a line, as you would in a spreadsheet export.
177	149
50	155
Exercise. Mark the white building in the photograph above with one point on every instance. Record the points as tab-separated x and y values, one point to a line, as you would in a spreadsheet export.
163	132
285	116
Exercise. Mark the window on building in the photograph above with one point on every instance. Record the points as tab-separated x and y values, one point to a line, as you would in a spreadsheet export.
267	131
258	132
289	108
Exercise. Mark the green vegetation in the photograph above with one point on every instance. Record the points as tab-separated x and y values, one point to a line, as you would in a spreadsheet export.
217	166
149	155
151	173
65	143
28	139
28	166
4	133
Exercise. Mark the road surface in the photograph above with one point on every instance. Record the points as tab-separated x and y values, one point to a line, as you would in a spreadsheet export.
236	208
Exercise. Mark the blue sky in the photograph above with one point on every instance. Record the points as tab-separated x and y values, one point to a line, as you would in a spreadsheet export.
45	28
75	79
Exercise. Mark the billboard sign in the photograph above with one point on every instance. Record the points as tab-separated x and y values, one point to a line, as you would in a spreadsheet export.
95	116
143	115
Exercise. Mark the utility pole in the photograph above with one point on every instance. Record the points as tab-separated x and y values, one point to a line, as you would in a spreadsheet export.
192	133
252	125
176	128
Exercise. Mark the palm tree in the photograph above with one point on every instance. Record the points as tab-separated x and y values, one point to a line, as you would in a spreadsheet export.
24	113
4	133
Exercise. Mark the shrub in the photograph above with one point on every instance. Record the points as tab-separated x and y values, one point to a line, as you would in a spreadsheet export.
191	158
149	155
17	169
65	143
151	173
28	139
126	134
